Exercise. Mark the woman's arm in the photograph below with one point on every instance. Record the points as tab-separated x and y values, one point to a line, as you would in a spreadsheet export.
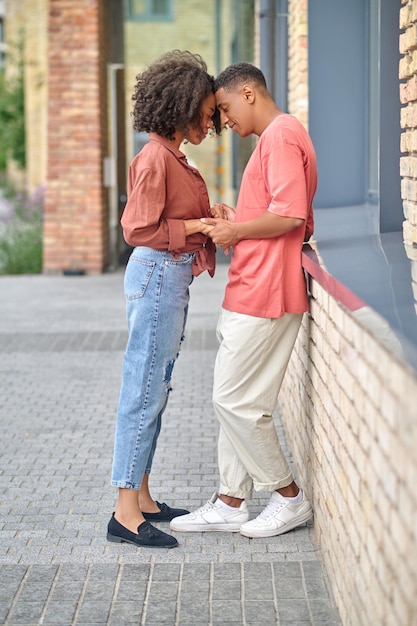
196	226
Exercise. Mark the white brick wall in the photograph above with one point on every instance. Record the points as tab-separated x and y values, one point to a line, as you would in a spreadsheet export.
408	138
350	414
349	402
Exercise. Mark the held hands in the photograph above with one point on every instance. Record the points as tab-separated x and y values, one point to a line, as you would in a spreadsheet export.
205	228
223	230
223	210
220	227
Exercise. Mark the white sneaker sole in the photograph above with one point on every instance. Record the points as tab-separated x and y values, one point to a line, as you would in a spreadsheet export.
202	528
258	533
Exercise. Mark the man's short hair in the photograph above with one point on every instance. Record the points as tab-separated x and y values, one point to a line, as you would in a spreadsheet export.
238	74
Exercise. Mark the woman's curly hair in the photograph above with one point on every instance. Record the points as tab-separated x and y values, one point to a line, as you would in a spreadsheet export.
168	95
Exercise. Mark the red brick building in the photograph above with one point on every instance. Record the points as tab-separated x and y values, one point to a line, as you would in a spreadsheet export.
76	206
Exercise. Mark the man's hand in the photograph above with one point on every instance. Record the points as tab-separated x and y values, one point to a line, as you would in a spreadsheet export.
223	232
223	211
206	229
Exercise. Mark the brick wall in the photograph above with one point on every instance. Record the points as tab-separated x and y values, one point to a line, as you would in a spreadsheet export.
349	401
408	98
298	59
75	231
349	408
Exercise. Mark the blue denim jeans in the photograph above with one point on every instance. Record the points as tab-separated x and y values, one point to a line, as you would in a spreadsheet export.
157	295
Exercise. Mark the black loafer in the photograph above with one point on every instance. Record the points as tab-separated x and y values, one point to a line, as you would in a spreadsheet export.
147	536
166	514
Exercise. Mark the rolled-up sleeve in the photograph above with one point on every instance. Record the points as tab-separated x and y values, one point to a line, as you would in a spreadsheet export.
142	221
145	204
163	192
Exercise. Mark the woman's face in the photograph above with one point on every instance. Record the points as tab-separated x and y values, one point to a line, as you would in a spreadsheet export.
197	134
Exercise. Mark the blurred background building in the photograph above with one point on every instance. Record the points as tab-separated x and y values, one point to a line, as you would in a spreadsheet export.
348	71
81	60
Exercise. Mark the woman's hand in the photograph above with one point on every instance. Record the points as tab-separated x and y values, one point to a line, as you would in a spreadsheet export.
223	211
196	226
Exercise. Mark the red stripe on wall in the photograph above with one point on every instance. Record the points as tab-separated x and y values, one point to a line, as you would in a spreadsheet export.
342	294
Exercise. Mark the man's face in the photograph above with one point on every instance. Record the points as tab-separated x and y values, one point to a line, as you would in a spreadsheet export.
235	111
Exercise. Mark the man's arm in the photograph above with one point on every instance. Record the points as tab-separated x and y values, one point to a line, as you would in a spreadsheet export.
266	226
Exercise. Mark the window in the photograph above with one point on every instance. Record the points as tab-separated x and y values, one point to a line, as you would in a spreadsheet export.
150	10
354	108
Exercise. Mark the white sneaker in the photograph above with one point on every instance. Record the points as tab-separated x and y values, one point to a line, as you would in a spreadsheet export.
212	516
278	517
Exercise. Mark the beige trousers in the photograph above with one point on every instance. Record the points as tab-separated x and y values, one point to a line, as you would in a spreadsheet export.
250	365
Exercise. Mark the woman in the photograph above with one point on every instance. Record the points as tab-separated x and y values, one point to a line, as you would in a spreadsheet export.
174	102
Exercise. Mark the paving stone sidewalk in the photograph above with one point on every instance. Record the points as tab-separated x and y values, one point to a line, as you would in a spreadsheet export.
61	349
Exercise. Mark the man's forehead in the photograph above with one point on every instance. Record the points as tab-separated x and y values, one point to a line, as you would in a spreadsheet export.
219	94
222	96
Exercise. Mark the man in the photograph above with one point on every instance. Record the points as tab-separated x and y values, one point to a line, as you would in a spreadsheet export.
262	310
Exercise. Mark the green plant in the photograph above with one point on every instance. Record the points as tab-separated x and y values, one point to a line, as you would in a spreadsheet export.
12	111
21	225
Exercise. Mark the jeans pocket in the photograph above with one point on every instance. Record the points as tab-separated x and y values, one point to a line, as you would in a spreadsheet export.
137	276
182	259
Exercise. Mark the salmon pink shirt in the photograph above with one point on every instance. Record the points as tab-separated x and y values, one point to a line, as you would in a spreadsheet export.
266	278
163	191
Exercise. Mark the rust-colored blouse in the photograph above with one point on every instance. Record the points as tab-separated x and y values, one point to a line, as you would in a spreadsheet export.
163	191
